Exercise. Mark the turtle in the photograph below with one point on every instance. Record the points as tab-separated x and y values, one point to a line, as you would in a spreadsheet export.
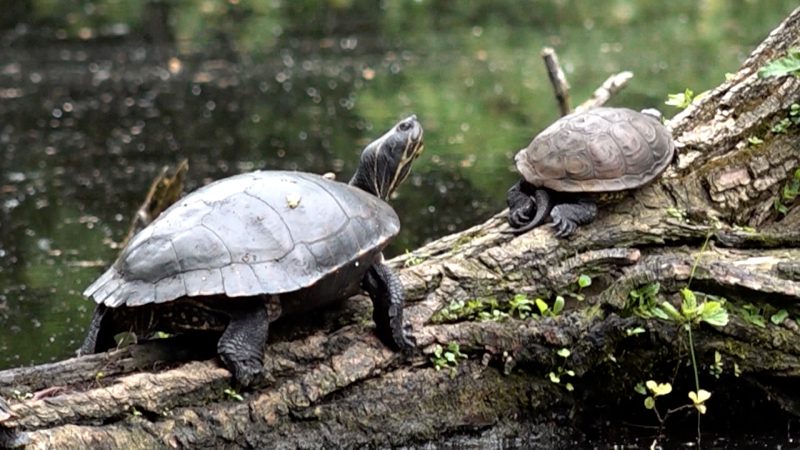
583	159
239	253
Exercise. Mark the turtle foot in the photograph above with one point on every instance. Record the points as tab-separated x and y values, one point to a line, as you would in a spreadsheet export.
568	216
241	347
244	371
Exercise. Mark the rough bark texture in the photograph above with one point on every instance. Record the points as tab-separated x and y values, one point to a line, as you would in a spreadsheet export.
709	223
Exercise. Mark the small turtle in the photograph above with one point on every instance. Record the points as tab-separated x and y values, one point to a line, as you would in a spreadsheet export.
586	158
239	253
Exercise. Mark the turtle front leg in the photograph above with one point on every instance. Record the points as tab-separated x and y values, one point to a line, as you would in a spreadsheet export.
568	216
520	205
101	332
388	297
241	347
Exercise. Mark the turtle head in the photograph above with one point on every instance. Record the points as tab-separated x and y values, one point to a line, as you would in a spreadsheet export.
386	161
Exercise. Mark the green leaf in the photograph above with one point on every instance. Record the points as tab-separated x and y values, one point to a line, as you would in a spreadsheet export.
634	331
659	313
450	357
658	388
569	387
689	304
570	373
233	394
713	314
542	305
670	310
755	140
779	317
584	281
564	353
558	305
640	389
680	100
554	378
649	403
789	64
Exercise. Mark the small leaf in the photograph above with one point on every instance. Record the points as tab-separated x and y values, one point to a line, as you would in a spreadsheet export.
569	387
670	310
676	213
680	100
554	378
542	305
634	331
558	305
639	388
564	353
689	304
789	64
700	396
658	389
701	408
584	281
570	373
649	403
233	394
714	314
779	317
755	140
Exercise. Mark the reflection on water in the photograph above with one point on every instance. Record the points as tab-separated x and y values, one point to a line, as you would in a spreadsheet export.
96	96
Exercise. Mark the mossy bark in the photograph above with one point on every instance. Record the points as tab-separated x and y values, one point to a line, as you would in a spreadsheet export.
709	223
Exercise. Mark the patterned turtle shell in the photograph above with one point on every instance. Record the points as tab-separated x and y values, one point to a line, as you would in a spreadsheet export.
270	232
600	150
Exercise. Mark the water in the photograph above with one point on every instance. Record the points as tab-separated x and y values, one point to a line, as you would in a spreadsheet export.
96	96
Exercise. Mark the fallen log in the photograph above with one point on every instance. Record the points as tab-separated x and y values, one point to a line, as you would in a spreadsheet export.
708	230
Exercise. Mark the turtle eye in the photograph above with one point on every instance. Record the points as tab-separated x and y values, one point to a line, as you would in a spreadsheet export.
405	126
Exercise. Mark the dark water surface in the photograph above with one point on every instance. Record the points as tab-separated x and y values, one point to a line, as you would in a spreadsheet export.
96	96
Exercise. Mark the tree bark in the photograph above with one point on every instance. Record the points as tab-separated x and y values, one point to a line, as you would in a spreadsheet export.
708	224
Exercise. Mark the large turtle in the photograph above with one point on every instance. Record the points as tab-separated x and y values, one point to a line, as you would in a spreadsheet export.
237	254
586	158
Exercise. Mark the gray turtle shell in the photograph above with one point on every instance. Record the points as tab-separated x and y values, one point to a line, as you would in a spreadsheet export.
270	232
600	150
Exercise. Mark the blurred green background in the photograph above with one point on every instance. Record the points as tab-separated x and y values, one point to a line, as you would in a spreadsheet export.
96	96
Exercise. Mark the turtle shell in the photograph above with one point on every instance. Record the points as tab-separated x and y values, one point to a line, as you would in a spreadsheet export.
600	150
270	232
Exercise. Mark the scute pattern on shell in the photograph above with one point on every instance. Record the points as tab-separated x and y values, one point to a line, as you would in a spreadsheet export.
600	150
241	237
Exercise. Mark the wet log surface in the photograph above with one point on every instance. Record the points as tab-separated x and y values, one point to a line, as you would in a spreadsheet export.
710	223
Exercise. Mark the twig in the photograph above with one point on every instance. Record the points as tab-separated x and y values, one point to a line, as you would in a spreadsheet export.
558	79
608	89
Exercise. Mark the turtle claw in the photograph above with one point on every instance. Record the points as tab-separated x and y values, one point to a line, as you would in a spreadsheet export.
563	226
245	372
518	218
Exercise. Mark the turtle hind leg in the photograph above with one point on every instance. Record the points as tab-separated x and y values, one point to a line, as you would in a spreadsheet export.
241	346
388	298
544	204
101	332
568	216
520	204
